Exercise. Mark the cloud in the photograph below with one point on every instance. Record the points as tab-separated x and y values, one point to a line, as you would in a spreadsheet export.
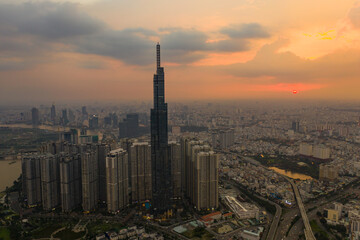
230	45
189	45
354	15
47	19
186	40
124	45
273	65
245	31
33	31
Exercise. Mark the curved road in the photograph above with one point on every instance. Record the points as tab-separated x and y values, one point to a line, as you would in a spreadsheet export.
275	222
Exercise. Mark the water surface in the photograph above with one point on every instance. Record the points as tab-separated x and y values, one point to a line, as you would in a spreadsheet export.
9	173
291	174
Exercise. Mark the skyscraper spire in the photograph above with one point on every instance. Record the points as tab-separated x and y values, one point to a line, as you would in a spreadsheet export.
157	55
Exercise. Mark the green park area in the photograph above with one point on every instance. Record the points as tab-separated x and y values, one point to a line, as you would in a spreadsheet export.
318	232
4	233
68	234
46	230
198	233
97	227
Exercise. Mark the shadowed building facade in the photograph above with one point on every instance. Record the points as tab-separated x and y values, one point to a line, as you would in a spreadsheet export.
31	168
160	159
89	180
140	172
117	180
70	181
50	181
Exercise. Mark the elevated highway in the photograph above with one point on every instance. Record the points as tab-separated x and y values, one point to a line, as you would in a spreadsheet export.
309	235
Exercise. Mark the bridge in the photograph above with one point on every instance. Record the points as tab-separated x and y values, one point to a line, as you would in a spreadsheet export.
309	235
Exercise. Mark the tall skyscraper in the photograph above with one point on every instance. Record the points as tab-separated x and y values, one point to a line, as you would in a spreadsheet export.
160	160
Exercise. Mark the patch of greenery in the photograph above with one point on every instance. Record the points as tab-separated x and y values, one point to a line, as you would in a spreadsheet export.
68	234
46	230
4	233
318	232
198	233
97	227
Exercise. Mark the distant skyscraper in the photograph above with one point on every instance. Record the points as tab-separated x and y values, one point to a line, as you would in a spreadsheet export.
50	181
140	163
129	127
161	162
84	113
83	110
295	126
64	117
71	117
115	120
223	139
53	113
35	118
117	180
94	122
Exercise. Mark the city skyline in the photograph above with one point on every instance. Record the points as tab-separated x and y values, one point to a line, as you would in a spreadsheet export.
82	50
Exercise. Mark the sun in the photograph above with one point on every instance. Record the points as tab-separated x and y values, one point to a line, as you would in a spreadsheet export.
294	91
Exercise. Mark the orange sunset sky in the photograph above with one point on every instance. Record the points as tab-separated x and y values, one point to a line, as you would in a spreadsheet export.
230	49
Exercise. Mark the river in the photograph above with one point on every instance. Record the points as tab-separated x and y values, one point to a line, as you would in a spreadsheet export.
9	173
291	174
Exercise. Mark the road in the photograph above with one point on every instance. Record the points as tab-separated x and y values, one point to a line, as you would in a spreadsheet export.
275	222
309	235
